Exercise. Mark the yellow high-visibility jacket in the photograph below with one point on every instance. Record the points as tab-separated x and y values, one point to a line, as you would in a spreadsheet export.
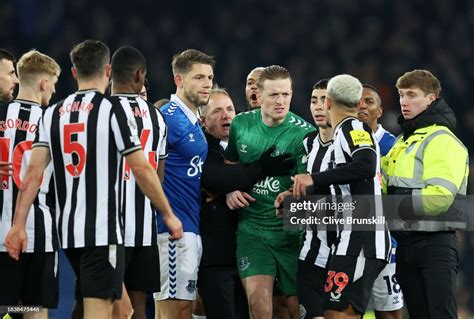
433	164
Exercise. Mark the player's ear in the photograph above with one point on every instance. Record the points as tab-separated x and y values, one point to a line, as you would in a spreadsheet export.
178	80
328	102
74	73
108	70
259	97
140	76
42	84
380	112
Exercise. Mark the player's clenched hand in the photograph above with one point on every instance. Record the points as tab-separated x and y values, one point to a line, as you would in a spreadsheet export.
174	225
279	202
280	165
16	241
238	199
300	182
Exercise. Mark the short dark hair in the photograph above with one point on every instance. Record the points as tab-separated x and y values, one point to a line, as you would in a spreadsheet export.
321	84
183	62
370	86
90	58
125	61
421	79
373	88
7	55
273	72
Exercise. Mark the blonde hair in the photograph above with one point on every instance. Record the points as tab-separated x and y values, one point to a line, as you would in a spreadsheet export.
34	63
345	90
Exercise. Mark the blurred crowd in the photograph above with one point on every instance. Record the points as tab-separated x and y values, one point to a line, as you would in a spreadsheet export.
374	40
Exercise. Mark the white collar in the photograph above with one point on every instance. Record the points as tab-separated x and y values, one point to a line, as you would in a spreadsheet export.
379	132
186	110
224	144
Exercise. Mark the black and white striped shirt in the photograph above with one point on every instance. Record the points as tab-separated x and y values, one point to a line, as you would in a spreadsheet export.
138	213
87	135
352	136
317	245
18	127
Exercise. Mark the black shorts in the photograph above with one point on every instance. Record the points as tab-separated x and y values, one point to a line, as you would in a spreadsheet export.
33	279
310	287
350	281
142	269
99	271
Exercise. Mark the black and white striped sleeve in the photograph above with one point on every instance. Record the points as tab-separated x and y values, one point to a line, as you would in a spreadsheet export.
357	136
125	129
42	138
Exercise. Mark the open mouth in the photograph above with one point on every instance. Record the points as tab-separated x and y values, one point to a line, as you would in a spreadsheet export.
253	97
320	117
226	125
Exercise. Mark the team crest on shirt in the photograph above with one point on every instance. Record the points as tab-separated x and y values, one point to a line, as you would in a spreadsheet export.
243	148
244	263
191	137
191	287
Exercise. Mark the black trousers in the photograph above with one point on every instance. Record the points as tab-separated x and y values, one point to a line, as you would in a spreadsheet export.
426	271
222	293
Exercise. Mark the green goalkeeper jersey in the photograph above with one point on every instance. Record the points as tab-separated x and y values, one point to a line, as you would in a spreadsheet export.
249	138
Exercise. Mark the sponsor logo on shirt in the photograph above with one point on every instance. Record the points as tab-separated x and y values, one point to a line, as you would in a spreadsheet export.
360	137
196	166
267	185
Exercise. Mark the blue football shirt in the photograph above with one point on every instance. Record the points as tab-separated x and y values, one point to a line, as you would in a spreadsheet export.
187	151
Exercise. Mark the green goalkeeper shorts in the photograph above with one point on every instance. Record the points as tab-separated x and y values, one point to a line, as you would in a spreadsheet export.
276	257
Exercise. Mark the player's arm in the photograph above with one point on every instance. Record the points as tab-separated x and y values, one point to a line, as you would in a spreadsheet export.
16	239
150	185
363	165
161	170
221	178
162	150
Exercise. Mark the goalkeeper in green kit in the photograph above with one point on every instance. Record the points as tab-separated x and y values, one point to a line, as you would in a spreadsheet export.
264	249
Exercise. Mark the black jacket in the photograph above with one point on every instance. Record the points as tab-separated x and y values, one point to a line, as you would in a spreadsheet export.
437	112
218	223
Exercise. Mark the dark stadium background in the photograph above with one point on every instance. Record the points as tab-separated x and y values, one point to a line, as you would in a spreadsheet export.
375	40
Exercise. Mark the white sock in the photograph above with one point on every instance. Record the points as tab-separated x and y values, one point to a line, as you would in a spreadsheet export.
198	317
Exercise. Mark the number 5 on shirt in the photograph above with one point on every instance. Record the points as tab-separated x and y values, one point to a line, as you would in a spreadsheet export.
71	147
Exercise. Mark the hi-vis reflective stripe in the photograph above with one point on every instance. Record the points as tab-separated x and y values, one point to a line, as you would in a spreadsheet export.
427	225
443	182
406	182
417	180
